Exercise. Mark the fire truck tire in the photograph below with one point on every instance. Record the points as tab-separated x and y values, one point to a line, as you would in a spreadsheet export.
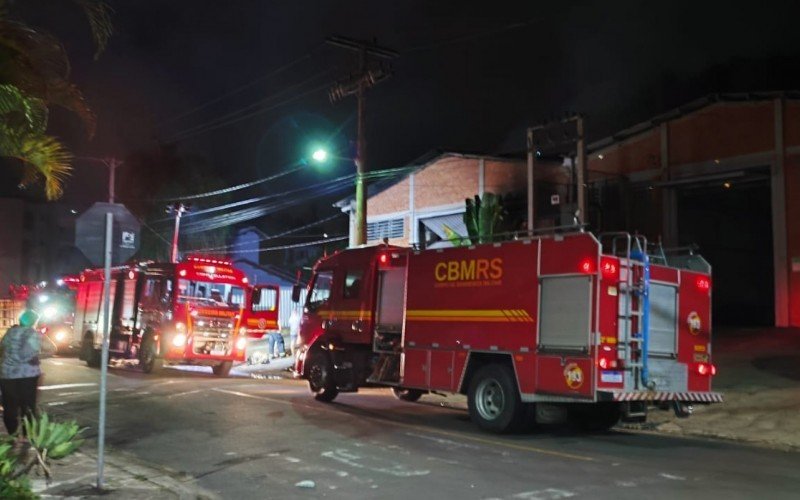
320	377
409	395
494	402
148	358
89	354
222	369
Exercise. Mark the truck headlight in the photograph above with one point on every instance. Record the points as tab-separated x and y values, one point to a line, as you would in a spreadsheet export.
49	312
241	343
179	340
180	327
61	336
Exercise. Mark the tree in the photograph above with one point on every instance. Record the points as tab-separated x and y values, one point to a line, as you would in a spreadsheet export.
482	216
34	73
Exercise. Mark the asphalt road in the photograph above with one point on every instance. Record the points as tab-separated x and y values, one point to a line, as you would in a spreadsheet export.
258	438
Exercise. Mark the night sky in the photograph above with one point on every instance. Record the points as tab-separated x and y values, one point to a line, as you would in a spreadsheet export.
470	76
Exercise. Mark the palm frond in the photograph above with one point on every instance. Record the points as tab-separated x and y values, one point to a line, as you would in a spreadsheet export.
45	157
98	13
37	64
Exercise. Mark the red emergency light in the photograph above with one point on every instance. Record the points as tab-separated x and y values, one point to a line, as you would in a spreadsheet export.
703	284
586	266
383	259
706	369
609	269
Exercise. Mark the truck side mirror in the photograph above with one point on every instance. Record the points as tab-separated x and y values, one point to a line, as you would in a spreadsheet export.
296	293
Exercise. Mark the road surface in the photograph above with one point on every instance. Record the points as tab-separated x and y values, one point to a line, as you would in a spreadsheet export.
267	438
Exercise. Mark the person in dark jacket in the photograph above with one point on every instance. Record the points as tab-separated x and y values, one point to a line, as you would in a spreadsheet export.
20	348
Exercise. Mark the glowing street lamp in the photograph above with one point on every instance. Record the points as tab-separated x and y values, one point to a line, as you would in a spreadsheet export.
320	155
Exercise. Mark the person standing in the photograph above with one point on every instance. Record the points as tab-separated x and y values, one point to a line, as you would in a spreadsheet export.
20	370
294	329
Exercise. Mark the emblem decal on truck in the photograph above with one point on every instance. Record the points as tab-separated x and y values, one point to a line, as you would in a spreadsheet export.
694	323
573	375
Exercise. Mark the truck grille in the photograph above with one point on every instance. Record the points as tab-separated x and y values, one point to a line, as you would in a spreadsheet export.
213	337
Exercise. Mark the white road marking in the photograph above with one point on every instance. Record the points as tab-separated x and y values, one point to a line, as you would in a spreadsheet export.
626	484
670	476
123	389
70	393
186	393
57	403
66	386
292	460
346	457
447	442
545	494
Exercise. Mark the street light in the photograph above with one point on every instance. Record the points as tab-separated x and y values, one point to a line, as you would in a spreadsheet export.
320	155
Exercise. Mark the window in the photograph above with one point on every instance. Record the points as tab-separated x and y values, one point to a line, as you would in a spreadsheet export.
390	228
156	291
264	299
352	284
208	293
321	291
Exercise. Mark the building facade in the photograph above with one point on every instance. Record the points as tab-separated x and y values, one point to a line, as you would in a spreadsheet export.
721	173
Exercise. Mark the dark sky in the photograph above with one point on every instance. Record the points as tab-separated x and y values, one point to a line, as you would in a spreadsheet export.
470	76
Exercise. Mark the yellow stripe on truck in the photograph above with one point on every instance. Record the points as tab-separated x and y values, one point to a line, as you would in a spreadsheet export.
473	315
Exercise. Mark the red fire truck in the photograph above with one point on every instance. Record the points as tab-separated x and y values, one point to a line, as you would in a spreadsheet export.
199	311
569	325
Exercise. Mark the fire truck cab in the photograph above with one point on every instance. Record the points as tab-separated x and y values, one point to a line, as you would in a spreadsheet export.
193	312
590	328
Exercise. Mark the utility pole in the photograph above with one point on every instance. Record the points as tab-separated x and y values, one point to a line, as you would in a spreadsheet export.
112	164
357	85
178	209
531	160
582	179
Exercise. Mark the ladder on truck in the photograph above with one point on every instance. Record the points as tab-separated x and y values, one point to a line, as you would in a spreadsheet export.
634	292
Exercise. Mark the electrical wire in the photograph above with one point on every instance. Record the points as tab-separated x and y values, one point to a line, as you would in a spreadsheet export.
299	245
231	189
213	126
267	76
274	236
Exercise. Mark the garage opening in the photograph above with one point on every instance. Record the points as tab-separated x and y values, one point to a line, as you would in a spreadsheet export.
731	222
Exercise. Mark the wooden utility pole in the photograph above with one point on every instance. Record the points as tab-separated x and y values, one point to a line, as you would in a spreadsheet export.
357	85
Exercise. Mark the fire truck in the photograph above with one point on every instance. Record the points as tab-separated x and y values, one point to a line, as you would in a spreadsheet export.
200	311
555	327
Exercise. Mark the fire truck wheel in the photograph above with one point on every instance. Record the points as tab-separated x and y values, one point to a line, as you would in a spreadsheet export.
222	369
149	360
493	400
409	395
89	353
320	377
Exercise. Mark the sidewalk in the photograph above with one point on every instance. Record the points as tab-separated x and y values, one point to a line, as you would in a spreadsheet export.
125	478
758	371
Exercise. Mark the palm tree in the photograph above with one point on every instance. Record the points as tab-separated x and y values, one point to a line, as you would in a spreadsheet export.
34	74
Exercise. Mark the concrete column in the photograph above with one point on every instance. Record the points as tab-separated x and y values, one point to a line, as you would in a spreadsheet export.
413	230
481	177
669	195
779	245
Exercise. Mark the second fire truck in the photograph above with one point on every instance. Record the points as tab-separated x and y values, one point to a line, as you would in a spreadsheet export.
200	311
565	324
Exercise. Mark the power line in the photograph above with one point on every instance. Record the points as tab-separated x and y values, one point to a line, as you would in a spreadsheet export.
267	76
279	235
233	188
209	127
299	245
467	38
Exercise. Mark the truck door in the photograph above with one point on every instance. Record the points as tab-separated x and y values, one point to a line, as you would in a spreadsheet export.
262	315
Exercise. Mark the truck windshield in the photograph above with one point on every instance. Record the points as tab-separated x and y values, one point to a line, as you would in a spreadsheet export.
210	294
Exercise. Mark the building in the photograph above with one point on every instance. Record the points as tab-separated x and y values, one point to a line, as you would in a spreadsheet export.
37	242
422	206
722	173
